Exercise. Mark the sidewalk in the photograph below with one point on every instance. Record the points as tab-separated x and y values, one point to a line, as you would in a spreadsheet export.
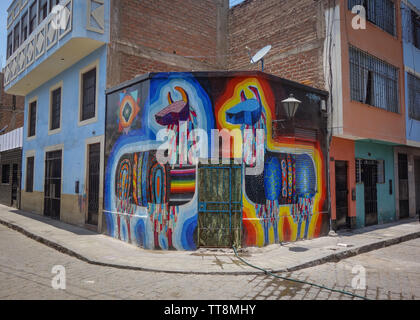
102	250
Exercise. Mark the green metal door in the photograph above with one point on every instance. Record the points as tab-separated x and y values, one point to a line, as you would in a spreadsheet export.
219	205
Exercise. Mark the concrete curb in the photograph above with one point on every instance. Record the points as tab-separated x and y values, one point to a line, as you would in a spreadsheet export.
335	257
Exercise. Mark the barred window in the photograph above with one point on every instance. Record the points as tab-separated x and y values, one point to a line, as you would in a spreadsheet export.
413	97
32	119
415	20
30	164
373	81
88	95
55	109
379	12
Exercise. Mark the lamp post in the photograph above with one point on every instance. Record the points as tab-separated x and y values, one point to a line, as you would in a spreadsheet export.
291	105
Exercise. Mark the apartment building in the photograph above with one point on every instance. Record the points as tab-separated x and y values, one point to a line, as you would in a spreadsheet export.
56	59
407	164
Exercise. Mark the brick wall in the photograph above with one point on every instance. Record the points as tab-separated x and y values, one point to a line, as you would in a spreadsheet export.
295	29
13	118
166	35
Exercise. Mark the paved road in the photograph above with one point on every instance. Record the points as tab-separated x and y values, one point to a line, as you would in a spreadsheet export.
26	273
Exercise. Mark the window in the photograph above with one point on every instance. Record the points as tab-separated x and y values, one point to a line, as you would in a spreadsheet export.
32	18
16	36
5	174
43	10
373	81
88	95
9	45
32	119
55	110
415	19
378	12
378	174
30	163
413	97
53	3
24	26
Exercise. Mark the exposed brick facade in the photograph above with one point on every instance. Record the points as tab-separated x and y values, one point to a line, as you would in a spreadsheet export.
162	35
9	116
295	29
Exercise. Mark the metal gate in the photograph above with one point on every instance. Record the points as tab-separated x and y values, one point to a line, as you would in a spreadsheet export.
403	185
52	185
220	205
342	194
93	183
370	180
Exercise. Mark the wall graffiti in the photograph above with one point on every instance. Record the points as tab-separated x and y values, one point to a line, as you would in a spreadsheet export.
155	205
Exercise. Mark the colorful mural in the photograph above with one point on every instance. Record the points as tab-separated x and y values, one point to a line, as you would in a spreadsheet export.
155	205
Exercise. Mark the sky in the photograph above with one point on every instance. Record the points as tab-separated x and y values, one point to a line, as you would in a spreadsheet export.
4	4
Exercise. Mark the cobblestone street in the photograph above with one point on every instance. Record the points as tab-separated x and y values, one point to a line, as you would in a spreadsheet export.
26	273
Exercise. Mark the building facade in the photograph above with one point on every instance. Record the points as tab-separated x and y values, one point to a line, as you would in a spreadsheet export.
264	183
407	164
368	115
11	128
56	59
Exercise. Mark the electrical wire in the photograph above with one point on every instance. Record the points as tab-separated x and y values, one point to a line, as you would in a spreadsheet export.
296	280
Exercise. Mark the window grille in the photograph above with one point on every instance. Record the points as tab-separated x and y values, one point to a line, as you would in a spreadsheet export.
379	12
373	81
413	97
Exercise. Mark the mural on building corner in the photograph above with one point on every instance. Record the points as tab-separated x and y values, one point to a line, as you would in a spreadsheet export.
156	206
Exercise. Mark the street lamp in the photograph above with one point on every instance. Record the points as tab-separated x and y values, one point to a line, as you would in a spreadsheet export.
291	105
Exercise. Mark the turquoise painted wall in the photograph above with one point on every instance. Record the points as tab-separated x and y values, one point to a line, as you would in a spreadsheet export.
71	135
386	202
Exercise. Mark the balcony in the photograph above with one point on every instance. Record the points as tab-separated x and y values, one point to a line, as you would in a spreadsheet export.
57	43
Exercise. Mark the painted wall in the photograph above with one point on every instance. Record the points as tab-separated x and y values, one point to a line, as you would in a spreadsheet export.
386	201
286	202
357	117
412	63
72	135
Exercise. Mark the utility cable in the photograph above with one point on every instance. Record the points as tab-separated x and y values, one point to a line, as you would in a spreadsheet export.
296	280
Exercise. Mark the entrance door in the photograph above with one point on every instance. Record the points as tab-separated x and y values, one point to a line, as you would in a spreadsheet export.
52	186
15	184
93	183
417	182
341	194
403	185
220	206
369	179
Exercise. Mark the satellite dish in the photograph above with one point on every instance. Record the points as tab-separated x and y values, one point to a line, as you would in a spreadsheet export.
259	56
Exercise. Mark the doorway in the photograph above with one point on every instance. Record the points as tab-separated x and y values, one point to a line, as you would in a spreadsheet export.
417	183
52	185
403	185
369	179
93	183
220	206
341	194
15	185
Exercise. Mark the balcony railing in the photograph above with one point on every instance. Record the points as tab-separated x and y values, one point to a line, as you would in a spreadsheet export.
44	37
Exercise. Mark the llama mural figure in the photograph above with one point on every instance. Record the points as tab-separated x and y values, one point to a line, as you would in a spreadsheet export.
163	210
288	179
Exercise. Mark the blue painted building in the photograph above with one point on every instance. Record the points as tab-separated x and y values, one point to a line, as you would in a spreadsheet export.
57	59
407	158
